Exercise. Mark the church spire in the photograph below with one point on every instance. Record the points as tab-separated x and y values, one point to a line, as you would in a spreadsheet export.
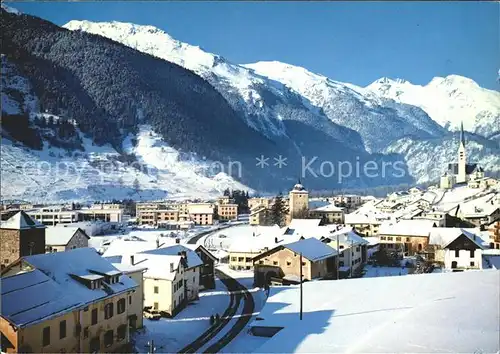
462	136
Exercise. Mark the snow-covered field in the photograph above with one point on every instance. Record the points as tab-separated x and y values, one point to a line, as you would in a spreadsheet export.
374	272
54	174
421	313
171	335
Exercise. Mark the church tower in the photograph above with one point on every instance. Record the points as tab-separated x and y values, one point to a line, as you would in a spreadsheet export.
462	158
298	200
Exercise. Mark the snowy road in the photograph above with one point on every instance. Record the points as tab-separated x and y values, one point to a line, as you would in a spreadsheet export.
241	308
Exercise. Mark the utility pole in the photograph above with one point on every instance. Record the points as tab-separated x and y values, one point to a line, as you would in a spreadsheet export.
352	252
338	255
301	280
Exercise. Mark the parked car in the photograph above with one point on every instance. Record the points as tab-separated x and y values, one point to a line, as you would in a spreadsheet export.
152	315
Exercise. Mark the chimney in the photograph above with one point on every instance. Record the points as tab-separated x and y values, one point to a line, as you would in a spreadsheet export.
132	259
171	267
275	240
177	240
157	243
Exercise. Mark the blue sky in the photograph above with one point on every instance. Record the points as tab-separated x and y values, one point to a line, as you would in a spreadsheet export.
355	42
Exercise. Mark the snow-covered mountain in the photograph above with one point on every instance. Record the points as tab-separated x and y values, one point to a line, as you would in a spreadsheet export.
266	105
96	173
346	106
449	101
295	112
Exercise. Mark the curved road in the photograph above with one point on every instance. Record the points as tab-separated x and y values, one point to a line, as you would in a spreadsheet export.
237	293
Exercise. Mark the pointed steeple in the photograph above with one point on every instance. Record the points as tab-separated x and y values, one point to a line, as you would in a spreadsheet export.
462	136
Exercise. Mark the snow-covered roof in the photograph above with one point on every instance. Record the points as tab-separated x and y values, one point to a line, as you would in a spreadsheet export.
329	208
158	265
479	207
53	281
402	314
192	258
304	223
361	218
256	239
347	237
125	248
442	236
21	221
59	236
312	249
419	227
478	241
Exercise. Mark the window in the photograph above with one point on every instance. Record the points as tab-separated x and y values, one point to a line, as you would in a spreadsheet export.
6	261
120	306
46	336
108	338
62	329
241	259
288	263
86	309
303	264
156	291
121	333
341	247
457	253
155	305
175	303
275	263
85	333
398	238
471	253
472	264
108	311
341	264
94	317
261	262
248	259
130	300
407	239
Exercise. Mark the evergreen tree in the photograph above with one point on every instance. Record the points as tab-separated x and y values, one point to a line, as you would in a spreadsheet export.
136	185
278	211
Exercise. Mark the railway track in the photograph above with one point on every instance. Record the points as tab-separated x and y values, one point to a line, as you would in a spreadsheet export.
238	293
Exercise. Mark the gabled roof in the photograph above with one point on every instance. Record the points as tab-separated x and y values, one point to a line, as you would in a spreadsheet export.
21	221
475	239
202	249
192	258
311	249
347	236
442	236
123	248
60	236
304	223
158	265
50	287
420	227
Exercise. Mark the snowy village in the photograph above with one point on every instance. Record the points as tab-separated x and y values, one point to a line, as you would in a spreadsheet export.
249	177
287	274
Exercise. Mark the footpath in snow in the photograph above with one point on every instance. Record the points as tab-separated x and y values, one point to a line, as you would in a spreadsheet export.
171	335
